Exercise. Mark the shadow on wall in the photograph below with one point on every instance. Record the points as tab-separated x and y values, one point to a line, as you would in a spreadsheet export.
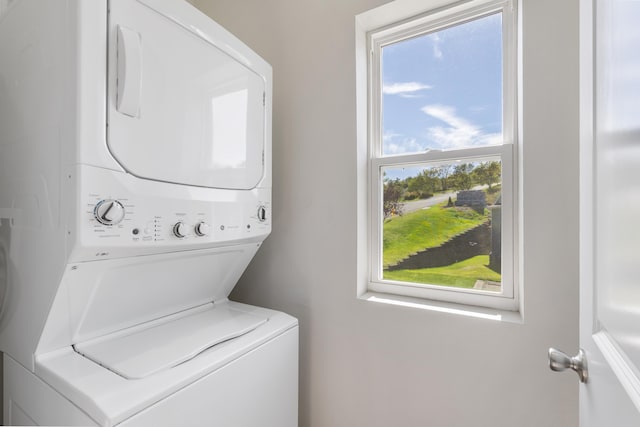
5	234
1	388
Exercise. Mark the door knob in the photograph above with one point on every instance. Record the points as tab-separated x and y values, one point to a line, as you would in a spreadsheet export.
559	361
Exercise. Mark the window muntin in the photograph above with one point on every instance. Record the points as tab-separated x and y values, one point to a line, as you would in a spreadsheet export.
477	135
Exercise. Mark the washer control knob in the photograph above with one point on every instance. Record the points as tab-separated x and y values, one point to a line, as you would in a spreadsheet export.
262	213
202	228
109	212
180	229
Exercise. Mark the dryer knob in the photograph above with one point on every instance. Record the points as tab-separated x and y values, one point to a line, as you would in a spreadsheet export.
262	213
202	228
109	212
180	229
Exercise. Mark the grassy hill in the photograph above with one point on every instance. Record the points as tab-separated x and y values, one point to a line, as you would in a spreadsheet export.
426	228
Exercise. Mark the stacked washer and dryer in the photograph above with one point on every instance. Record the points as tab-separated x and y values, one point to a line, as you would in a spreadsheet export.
135	188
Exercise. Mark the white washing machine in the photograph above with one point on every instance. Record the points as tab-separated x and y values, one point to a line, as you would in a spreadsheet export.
135	188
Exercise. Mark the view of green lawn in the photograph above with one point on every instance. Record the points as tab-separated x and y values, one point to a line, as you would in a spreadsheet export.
425	228
438	228
428	228
462	274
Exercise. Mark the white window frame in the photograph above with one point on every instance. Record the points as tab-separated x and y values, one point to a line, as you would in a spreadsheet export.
376	29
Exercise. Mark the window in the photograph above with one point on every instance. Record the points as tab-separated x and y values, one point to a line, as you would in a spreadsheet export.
440	170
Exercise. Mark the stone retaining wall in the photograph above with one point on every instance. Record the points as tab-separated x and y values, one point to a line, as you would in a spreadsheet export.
473	242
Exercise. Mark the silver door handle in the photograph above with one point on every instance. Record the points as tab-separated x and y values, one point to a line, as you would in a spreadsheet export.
559	361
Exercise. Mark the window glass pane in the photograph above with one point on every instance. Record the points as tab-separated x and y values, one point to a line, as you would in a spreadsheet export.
442	224
443	90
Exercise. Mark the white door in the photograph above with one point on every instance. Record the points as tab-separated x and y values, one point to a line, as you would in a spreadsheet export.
184	106
610	212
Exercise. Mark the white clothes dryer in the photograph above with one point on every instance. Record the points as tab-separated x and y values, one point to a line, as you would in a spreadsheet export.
135	188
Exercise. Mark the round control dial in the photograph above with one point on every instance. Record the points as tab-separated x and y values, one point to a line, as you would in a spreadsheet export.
202	228
180	229
262	213
109	212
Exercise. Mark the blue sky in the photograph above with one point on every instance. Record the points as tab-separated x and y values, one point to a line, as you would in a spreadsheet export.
443	90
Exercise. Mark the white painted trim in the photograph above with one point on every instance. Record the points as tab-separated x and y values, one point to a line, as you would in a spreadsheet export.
441	157
403	10
438	20
362	160
620	365
397	21
440	293
443	307
587	176
518	164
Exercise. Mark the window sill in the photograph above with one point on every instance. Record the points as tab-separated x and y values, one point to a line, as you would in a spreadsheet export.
444	307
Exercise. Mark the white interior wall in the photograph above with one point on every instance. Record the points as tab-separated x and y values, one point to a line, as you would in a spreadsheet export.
370	365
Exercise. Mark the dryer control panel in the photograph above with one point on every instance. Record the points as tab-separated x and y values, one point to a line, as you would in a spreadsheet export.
129	213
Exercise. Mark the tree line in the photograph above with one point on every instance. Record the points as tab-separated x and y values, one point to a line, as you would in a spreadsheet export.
463	176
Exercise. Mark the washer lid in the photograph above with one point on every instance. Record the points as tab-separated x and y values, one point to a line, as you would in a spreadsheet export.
142	351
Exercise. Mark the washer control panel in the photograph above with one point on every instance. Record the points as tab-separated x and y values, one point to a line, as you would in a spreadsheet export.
117	220
120	215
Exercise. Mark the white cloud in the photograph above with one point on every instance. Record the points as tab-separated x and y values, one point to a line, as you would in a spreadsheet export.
459	132
395	143
407	89
491	139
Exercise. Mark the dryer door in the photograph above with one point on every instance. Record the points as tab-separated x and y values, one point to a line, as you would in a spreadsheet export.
184	105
